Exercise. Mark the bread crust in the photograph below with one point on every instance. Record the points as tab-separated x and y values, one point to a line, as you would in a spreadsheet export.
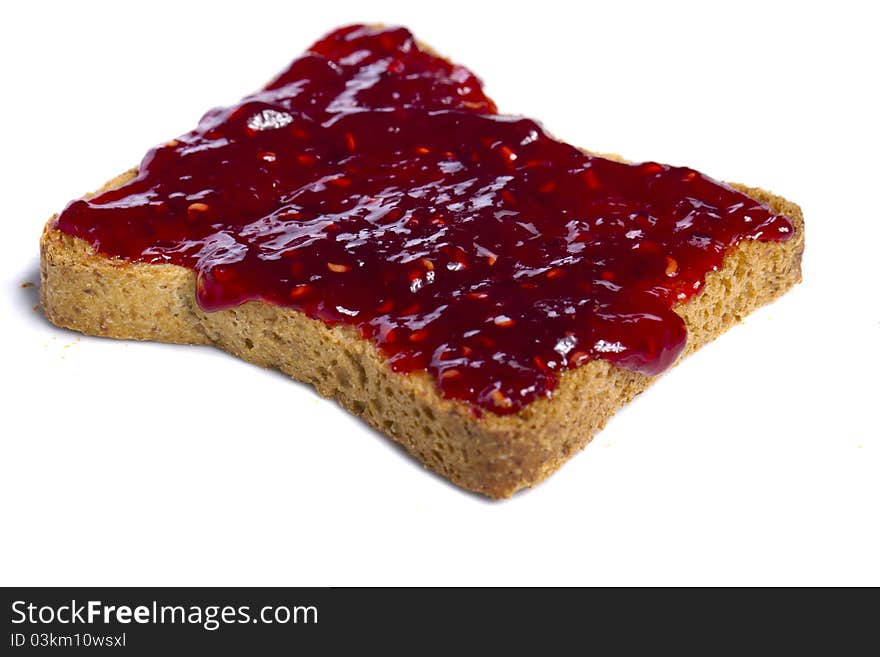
489	454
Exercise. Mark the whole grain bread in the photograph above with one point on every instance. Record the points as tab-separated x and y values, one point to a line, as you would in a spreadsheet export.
494	455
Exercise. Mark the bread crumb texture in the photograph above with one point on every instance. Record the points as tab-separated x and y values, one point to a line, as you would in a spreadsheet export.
493	455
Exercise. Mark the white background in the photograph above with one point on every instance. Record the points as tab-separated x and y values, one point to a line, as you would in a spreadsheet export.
755	462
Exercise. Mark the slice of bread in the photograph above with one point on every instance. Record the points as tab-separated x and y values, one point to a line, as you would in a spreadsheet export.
495	454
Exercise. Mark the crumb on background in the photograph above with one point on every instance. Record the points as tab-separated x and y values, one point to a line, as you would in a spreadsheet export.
27	284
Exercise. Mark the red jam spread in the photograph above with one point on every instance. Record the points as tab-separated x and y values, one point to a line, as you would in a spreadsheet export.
374	184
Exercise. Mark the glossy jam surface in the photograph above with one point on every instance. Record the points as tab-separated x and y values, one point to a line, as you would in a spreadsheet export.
374	184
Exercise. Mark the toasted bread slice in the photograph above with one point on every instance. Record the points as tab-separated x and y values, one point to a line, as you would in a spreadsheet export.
495	455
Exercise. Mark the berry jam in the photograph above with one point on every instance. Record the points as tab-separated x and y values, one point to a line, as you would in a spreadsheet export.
374	184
